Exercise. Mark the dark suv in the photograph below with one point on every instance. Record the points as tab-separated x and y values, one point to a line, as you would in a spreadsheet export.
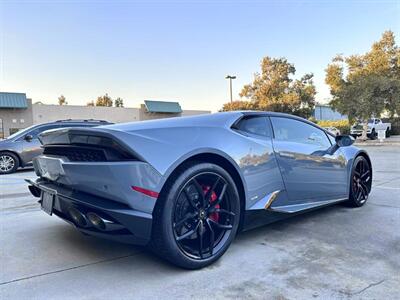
20	148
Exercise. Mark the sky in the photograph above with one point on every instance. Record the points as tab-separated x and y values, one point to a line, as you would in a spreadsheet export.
175	50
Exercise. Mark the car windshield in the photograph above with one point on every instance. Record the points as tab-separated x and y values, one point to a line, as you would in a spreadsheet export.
20	132
370	121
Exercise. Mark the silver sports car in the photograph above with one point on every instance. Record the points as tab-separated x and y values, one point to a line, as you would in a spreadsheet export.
187	186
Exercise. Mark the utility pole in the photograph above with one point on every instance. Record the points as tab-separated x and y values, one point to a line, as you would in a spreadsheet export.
230	77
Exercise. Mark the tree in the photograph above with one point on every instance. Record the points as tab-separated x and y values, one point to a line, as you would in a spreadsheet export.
104	101
119	102
371	84
239	105
273	89
62	100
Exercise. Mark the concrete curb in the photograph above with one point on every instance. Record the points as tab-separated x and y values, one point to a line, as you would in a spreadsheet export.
394	140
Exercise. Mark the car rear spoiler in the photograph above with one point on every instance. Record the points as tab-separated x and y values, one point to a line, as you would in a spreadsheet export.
87	137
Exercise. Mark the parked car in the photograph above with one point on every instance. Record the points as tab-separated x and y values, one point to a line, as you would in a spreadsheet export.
187	185
332	130
18	150
374	125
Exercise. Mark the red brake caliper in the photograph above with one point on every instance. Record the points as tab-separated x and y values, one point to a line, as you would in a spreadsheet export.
214	216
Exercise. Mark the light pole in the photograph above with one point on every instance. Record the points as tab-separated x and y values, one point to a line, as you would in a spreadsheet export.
230	77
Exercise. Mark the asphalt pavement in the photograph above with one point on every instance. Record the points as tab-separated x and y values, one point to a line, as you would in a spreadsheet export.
333	253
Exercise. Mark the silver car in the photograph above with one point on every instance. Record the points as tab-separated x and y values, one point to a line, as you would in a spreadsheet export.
18	150
186	186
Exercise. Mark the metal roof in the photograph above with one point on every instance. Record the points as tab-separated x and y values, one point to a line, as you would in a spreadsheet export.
13	100
162	107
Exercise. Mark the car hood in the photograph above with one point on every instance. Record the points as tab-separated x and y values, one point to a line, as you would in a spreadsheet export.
4	144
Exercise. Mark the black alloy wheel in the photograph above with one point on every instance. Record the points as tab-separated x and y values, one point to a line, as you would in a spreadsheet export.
199	218
361	181
203	217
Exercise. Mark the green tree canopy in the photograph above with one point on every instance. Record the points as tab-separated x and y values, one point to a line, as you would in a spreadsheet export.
119	102
365	85
104	101
274	89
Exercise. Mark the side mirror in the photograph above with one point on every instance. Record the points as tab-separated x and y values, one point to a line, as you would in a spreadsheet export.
344	140
28	138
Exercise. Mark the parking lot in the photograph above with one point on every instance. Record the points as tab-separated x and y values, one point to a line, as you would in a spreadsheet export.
336	252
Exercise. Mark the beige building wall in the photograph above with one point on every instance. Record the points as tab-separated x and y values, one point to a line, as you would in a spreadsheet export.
13	119
187	113
43	113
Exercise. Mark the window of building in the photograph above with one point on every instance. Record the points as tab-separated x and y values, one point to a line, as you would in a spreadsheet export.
13	130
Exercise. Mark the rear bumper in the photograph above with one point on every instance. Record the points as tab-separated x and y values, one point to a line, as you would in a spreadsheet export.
123	224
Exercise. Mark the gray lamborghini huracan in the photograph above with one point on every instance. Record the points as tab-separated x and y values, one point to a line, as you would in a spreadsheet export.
186	186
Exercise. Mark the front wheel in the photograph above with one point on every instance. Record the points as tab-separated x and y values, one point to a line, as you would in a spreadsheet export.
197	216
361	182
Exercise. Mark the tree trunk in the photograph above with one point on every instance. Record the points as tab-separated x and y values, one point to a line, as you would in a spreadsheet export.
364	133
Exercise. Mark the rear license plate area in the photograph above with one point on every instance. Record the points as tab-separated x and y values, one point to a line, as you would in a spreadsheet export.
47	202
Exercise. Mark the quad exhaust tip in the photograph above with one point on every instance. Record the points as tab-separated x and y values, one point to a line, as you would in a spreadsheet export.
91	219
77	217
34	191
96	221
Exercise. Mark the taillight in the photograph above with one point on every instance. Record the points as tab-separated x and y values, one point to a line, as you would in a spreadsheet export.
145	191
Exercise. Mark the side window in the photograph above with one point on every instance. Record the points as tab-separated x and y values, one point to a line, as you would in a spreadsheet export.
290	130
331	138
254	125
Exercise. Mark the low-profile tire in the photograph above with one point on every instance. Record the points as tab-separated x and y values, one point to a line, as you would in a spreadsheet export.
197	216
360	182
9	163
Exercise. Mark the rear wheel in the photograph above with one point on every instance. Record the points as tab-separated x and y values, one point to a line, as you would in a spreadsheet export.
361	180
9	163
197	218
387	132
